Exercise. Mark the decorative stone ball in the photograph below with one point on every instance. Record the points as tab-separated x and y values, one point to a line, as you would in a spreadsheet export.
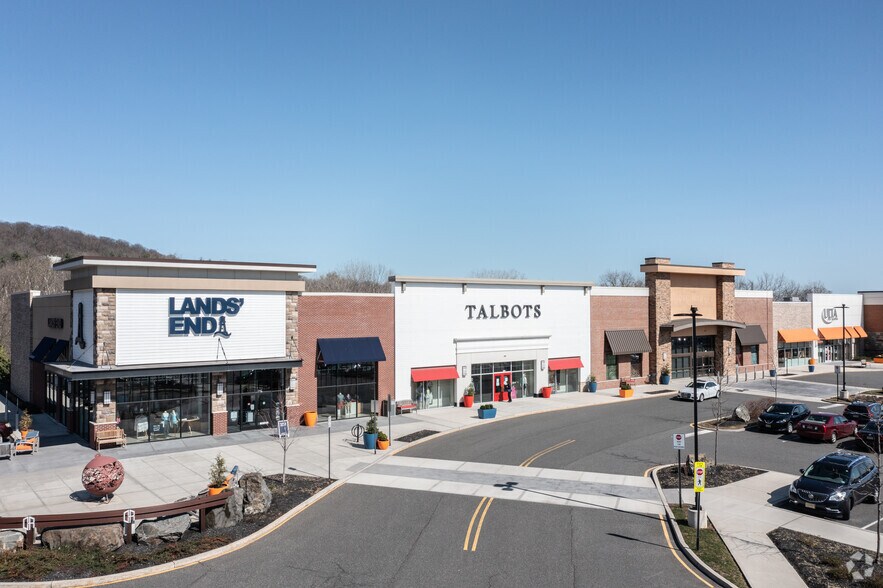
102	476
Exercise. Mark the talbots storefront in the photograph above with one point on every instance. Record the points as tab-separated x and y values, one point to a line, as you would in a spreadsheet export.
165	349
498	335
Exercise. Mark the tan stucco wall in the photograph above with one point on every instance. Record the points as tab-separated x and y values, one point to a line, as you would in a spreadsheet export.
692	290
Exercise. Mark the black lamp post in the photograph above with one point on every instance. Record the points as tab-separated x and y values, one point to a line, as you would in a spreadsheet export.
694	312
843	307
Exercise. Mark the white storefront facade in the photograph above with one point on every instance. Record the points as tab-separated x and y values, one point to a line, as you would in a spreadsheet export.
838	328
495	334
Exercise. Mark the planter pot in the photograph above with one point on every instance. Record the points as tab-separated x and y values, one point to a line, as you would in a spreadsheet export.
625	393
772	373
468	400
593	386
812	368
310	418
546	391
24	433
215	491
370	440
693	520
664	379
487	413
382	444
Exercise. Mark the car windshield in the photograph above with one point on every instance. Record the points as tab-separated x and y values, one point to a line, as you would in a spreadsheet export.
817	418
699	384
827	472
857	408
780	409
872	426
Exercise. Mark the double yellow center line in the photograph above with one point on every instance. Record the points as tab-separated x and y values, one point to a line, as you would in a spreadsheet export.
485	503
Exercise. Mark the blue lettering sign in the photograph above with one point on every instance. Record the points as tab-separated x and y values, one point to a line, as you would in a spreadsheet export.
202	316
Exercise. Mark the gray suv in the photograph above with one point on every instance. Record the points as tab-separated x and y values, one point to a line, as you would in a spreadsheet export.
835	483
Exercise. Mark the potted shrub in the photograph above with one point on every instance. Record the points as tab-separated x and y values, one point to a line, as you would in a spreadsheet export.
371	432
665	378
24	423
382	440
217	476
593	383
625	389
487	411
469	396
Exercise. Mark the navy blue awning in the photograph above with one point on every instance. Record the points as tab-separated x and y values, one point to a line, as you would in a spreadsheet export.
350	350
42	348
56	351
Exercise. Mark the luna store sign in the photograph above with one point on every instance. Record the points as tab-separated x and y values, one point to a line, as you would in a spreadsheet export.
202	316
502	311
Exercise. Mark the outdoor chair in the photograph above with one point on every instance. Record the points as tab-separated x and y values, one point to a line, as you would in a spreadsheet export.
7	449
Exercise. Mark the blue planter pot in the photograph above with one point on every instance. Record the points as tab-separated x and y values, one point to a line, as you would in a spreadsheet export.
593	386
812	368
487	413
664	379
370	440
772	373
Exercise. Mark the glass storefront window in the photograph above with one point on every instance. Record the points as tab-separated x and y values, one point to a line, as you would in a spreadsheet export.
565	380
523	374
433	393
346	390
156	408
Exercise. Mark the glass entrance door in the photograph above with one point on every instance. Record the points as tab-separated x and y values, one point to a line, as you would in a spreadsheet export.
502	381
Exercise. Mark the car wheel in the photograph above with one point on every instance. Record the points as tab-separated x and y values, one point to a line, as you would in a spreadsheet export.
874	496
701	397
833	436
844	510
790	427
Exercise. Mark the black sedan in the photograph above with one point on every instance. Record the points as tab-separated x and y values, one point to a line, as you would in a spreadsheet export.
862	412
782	416
835	483
871	435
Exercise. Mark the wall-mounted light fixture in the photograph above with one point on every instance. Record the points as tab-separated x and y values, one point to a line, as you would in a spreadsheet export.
542	365
463	371
106	397
219	390
664	356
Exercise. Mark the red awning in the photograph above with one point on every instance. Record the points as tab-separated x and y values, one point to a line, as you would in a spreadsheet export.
446	372
565	363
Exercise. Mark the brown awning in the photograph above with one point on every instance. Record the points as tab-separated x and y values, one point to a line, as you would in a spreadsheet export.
797	335
751	335
627	341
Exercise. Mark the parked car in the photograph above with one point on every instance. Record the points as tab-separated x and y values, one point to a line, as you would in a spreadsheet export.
824	426
704	389
868	435
783	416
862	412
835	483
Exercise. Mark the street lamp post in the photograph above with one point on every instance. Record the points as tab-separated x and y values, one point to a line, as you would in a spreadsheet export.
843	307
696	501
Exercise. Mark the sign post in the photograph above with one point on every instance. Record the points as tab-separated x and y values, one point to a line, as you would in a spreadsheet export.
329	447
698	488
679	443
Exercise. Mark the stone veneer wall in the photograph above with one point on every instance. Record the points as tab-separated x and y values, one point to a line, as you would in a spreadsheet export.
104	416
21	343
659	313
292	402
105	314
725	345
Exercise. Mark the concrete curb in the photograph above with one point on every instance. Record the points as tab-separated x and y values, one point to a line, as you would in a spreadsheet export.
679	538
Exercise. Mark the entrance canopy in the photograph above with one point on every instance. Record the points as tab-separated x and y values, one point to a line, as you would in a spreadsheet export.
687	324
565	363
751	335
797	335
42	349
447	372
350	350
627	341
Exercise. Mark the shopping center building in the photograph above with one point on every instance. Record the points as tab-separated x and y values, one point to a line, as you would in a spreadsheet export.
165	349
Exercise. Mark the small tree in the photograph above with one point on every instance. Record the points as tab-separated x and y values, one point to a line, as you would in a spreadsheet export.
272	420
371	426
218	473
25	421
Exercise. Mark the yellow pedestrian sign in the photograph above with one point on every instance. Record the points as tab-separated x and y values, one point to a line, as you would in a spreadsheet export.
699	476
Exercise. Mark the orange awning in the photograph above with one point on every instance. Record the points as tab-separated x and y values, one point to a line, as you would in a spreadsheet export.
853	334
834	333
447	372
797	335
861	332
565	363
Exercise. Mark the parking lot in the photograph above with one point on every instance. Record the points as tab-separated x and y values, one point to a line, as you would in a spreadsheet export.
821	386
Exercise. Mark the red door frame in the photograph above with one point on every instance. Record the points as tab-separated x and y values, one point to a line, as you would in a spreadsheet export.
501	381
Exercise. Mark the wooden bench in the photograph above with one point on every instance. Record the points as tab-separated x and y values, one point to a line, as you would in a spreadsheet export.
405	406
113	436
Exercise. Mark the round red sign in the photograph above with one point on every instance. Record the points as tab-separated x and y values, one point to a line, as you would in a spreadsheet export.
699	471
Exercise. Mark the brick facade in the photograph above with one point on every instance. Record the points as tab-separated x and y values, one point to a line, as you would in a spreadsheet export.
611	313
873	324
334	315
21	343
758	311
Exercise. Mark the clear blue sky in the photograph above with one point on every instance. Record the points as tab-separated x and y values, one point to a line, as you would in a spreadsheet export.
559	139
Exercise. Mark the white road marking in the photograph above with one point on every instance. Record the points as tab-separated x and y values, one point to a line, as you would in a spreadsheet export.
702	432
829	405
870	524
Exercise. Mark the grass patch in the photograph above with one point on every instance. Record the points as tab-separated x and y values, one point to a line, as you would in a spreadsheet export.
712	549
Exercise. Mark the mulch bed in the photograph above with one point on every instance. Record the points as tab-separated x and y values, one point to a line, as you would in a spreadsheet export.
718	475
43	564
726	424
415	436
822	563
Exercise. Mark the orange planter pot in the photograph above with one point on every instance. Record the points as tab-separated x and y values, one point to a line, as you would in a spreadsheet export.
546	391
215	491
24	433
625	393
468	400
382	444
310	418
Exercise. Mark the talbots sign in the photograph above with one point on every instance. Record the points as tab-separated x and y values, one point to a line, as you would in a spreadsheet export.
202	316
502	311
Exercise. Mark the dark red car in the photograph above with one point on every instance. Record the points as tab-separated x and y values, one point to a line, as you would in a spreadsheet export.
824	426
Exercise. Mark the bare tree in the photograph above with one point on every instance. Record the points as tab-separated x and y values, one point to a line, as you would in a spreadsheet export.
272	418
782	287
498	274
354	276
620	279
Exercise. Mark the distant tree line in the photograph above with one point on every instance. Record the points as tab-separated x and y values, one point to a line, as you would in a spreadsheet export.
783	288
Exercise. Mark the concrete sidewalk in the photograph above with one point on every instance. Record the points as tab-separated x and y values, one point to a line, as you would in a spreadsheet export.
49	480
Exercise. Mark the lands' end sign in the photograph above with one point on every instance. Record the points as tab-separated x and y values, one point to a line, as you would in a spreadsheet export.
502	311
202	316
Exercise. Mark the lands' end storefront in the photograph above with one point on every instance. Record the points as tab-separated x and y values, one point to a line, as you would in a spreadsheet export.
498	335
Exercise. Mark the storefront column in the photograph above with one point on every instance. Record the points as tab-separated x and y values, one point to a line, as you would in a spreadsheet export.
105	415
659	284
219	405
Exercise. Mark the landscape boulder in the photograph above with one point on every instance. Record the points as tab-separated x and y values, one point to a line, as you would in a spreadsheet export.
11	540
742	413
257	495
228	515
166	529
100	537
